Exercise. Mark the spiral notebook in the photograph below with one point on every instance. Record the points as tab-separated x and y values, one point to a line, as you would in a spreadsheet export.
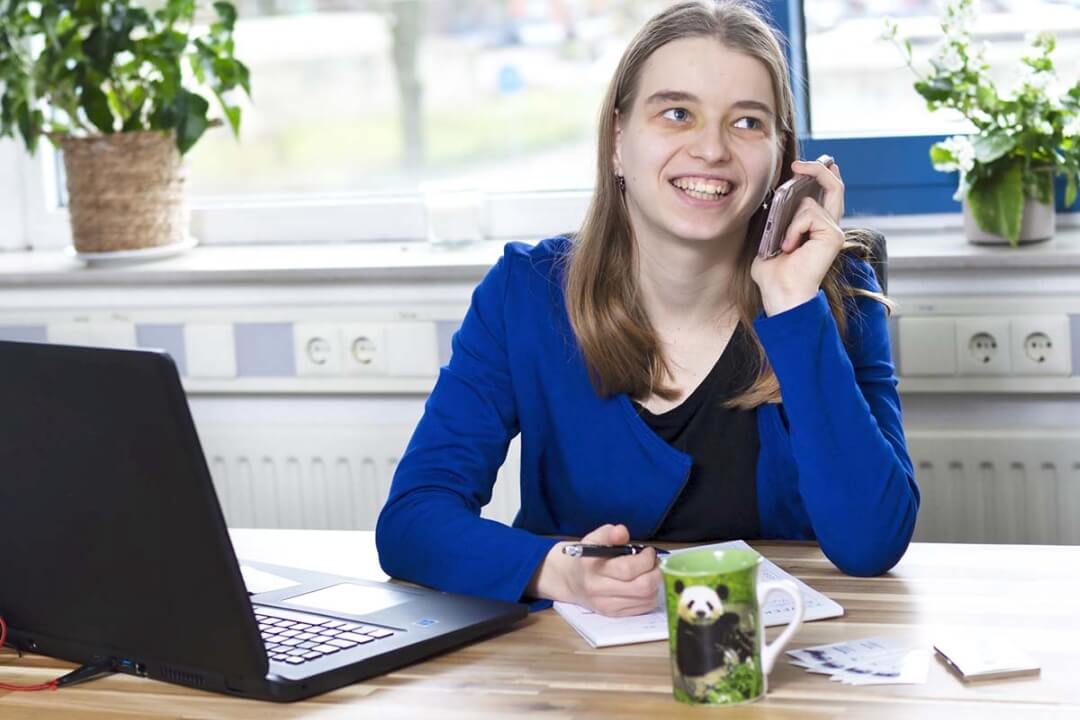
602	631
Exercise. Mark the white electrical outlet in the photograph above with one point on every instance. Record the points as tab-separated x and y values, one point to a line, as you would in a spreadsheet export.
107	334
927	346
982	346
317	349
69	333
210	349
113	334
1040	345
365	349
412	349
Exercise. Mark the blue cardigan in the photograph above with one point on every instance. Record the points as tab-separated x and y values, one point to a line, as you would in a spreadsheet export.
833	465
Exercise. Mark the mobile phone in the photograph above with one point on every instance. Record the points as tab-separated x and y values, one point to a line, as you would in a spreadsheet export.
785	202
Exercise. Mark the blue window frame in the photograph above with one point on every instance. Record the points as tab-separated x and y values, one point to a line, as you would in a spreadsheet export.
882	175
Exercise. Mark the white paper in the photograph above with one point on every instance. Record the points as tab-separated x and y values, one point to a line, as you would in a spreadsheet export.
602	631
871	661
260	581
840	655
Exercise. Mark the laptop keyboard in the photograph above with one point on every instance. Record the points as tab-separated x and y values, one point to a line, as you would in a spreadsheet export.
296	638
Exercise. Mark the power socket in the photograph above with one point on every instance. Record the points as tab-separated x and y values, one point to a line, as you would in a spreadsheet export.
365	349
1040	345
983	346
317	349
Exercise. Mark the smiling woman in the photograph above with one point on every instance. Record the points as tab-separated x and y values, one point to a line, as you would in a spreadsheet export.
713	125
667	382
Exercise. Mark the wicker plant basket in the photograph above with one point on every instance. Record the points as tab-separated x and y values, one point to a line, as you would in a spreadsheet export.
125	191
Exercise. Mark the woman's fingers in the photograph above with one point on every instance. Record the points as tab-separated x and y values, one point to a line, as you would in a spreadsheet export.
829	179
609	596
618	607
627	567
608	535
625	585
809	220
642	586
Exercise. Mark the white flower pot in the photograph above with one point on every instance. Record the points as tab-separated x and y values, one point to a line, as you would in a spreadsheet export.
1037	225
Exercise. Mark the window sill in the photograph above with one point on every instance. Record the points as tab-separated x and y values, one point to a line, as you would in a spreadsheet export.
909	249
377	262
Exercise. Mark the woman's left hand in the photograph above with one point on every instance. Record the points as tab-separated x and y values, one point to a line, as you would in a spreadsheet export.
794	276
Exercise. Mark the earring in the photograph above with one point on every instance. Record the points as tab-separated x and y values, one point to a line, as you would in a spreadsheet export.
765	203
620	181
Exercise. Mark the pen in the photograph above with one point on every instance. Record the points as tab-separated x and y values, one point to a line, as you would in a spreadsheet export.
606	551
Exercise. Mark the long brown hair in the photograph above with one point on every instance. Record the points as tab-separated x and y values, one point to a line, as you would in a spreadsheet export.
617	339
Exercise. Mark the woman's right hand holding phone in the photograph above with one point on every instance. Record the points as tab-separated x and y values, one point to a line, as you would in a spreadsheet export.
625	585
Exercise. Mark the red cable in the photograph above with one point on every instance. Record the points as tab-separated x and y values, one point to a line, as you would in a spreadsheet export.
51	685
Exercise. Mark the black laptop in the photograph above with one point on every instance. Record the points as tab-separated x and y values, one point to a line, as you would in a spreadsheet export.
114	551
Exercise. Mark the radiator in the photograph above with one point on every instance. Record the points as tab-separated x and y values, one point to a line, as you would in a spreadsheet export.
987	486
319	476
999	486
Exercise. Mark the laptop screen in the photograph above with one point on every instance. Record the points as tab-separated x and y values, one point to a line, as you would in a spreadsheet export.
112	539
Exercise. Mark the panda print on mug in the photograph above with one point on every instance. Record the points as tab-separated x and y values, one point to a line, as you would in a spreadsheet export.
712	643
716	635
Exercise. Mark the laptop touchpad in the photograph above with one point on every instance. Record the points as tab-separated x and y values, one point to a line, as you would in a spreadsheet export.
350	599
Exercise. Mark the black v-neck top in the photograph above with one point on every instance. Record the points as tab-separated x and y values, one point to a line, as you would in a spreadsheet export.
719	500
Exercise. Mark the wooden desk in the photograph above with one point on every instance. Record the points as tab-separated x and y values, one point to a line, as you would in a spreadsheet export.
543	669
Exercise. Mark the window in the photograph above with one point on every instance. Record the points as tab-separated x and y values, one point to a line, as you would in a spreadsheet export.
359	105
859	104
383	98
859	84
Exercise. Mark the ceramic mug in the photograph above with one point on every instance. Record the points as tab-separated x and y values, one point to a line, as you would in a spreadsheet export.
715	629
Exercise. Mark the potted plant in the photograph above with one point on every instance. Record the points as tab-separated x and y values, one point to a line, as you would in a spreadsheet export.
1024	136
121	90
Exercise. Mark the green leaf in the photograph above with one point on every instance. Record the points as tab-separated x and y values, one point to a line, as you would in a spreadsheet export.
191	113
96	106
196	65
87	9
997	203
139	16
96	49
227	73
7	113
245	77
27	128
204	49
170	77
177	9
1042	183
986	98
941	156
114	103
172	42
163	116
118	19
137	100
989	148
233	115
227	13
935	89
1070	190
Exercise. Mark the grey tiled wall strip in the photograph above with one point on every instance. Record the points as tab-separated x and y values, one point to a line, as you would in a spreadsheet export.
169	338
23	333
266	349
